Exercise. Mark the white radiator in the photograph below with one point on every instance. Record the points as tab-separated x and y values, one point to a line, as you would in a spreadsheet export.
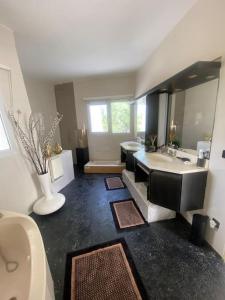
55	167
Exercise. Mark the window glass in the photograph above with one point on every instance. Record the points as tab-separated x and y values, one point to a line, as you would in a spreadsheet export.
120	114
141	114
4	143
98	117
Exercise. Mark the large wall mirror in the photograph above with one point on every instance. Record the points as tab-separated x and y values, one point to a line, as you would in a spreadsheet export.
191	115
180	111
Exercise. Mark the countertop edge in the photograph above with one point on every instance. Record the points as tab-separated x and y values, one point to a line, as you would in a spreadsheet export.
181	172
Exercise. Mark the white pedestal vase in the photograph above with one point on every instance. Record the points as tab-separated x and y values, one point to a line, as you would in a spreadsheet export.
49	202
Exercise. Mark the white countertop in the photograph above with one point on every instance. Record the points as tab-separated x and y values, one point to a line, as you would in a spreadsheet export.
166	163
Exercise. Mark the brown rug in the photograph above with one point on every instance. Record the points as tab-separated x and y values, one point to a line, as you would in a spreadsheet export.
126	214
103	273
114	183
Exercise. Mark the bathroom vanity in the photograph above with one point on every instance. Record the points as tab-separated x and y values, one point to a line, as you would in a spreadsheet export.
163	185
127	149
171	183
180	112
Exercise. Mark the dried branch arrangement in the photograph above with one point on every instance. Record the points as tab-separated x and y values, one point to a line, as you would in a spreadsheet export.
34	138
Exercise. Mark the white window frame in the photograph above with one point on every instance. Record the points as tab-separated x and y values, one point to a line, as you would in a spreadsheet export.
108	102
4	133
138	133
5	120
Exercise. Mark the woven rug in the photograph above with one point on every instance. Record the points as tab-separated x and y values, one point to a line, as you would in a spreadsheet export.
114	183
103	272
127	215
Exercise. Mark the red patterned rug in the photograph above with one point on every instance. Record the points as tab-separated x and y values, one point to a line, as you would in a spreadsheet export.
114	183
127	215
103	272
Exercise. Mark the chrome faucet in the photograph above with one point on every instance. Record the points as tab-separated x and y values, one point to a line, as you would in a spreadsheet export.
162	148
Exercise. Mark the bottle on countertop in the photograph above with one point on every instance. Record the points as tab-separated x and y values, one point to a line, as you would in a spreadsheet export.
201	159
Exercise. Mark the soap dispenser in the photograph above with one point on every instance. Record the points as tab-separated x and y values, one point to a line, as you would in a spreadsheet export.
201	159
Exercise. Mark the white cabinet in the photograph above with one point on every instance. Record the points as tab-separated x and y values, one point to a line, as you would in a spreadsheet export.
61	170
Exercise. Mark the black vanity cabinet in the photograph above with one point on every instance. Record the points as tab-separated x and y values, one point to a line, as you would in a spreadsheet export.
179	192
128	158
82	156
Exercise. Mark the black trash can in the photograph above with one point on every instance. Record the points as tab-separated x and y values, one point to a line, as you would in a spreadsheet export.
198	229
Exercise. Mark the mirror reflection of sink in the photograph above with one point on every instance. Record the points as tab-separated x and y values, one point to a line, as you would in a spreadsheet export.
24	272
161	157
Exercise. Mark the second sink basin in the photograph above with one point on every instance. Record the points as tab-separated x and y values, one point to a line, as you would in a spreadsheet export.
161	157
131	146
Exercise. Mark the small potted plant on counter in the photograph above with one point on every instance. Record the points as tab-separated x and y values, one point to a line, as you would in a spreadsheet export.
150	143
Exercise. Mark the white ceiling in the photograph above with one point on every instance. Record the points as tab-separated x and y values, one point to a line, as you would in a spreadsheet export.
64	39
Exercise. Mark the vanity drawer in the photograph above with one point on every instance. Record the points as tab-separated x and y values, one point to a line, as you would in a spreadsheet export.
178	192
166	189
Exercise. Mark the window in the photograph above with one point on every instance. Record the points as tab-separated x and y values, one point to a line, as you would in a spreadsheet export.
98	118
120	117
4	143
141	114
110	116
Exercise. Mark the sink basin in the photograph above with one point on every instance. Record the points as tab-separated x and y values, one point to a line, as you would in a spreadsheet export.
24	272
132	146
161	157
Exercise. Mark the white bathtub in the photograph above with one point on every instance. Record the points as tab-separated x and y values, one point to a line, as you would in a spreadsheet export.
102	166
20	241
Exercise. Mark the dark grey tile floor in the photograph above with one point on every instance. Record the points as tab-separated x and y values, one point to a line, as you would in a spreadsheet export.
169	265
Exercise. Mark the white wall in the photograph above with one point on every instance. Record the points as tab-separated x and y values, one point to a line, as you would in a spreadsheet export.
17	185
199	36
102	147
42	99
